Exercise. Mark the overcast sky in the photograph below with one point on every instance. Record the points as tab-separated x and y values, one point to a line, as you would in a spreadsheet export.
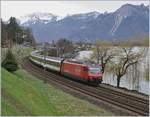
60	8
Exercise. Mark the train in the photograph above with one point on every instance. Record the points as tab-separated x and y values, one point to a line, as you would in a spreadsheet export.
83	71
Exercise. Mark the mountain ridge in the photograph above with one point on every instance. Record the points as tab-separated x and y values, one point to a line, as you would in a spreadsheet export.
89	27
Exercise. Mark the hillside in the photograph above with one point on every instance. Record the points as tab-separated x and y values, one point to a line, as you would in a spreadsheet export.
23	94
124	23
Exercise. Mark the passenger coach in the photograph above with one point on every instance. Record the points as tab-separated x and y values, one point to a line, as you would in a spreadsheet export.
83	71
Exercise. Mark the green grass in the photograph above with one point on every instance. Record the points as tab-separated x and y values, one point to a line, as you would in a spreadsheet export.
23	94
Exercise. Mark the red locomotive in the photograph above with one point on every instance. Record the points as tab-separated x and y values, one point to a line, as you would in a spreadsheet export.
83	71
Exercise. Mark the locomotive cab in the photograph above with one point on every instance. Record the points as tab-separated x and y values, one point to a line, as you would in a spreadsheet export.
94	74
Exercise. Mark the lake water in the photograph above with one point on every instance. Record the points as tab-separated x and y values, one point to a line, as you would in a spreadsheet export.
135	78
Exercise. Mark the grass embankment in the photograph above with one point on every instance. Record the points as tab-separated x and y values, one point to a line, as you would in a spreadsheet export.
23	94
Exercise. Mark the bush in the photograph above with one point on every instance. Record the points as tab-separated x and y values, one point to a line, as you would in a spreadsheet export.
9	62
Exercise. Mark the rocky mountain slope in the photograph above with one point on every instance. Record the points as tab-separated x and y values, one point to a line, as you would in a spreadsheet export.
126	22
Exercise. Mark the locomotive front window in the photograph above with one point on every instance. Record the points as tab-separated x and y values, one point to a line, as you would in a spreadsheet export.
94	70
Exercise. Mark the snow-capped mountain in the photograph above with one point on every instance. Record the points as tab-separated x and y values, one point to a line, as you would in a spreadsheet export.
85	16
37	17
124	23
127	11
135	15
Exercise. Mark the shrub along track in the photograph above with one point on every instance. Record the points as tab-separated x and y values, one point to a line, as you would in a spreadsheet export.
116	102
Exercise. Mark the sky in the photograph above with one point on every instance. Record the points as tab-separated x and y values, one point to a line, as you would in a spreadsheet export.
60	8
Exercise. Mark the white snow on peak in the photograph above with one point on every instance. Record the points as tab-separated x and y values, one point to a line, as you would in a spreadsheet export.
60	18
128	10
24	19
87	15
38	16
94	14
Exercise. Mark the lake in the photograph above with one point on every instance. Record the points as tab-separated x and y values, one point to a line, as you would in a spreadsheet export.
135	78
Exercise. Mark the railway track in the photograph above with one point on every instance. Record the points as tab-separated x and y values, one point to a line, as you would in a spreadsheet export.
128	96
127	103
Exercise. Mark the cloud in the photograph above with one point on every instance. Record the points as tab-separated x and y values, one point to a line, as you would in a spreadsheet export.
60	8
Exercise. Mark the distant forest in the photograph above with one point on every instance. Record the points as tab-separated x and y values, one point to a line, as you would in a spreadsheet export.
142	40
12	33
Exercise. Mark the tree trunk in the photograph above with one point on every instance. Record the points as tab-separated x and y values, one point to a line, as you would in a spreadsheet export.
118	81
98	60
103	67
102	64
97	55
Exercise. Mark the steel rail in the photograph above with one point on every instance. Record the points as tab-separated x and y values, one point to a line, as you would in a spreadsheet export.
52	77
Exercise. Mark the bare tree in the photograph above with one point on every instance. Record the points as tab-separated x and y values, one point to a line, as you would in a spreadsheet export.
102	53
64	46
126	58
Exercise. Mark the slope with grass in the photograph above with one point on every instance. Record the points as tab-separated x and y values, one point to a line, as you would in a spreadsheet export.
23	94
